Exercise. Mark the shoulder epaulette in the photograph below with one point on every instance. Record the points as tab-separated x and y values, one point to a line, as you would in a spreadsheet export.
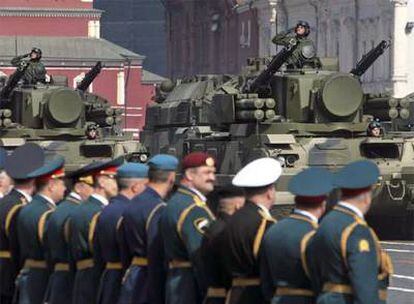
41	224
12	212
92	227
152	213
304	218
303	244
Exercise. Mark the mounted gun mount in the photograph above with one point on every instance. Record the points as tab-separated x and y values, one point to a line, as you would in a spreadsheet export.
262	81
90	77
12	83
60	119
368	59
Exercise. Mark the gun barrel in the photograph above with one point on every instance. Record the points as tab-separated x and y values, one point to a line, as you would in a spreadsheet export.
277	61
12	82
90	77
368	59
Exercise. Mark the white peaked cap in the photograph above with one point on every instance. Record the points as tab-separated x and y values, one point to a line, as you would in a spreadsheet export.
258	173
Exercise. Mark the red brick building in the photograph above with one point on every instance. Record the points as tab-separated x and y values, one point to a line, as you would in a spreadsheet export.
210	36
68	32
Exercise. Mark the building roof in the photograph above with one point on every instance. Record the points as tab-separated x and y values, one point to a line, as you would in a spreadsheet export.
67	51
149	77
49	12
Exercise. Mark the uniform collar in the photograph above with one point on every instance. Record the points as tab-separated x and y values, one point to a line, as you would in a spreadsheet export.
306	214
48	199
75	196
152	191
27	197
104	201
198	193
264	209
352	208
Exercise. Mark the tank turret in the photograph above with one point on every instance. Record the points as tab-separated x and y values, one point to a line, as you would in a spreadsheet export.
60	118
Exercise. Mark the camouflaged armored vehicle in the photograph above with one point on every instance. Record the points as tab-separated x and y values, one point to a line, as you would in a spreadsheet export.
80	126
303	117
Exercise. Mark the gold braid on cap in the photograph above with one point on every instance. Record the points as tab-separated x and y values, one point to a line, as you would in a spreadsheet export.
86	179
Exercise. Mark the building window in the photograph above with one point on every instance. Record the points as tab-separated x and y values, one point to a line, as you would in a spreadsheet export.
245	34
120	92
94	29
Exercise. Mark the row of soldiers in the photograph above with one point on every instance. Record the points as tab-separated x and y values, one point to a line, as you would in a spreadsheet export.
125	234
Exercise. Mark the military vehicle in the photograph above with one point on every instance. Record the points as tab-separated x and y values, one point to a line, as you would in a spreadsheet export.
302	117
78	125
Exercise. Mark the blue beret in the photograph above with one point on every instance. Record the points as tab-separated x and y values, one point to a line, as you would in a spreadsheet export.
163	162
132	170
357	175
312	182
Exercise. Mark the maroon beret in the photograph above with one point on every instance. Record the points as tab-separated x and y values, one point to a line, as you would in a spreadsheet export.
198	159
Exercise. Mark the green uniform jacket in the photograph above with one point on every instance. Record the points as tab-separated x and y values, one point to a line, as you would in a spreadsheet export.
297	60
82	244
31	225
35	71
60	284
10	263
283	274
182	225
346	262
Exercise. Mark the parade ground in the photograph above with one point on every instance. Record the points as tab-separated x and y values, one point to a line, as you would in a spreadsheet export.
401	289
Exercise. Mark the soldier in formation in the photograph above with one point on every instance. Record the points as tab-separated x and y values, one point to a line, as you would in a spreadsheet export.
122	235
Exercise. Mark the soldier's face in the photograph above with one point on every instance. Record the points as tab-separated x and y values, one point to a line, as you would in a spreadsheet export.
83	189
34	55
300	30
203	178
108	183
376	132
5	182
139	186
58	189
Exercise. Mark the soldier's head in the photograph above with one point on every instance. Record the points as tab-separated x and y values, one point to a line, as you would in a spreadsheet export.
311	188
230	199
199	171
35	54
162	173
19	167
49	179
356	181
5	180
258	179
82	183
132	178
302	28
103	175
374	129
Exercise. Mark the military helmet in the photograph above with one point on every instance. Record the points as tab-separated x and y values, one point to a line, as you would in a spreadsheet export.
374	124
37	51
305	24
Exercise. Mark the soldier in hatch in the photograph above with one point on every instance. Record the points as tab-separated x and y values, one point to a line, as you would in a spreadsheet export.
35	71
305	53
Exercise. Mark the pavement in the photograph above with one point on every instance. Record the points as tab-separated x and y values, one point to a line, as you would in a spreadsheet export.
401	290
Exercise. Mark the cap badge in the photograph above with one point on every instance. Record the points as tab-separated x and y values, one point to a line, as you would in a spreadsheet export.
210	162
